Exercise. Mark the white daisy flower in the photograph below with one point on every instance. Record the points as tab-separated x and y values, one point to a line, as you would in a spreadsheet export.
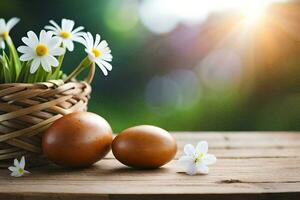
19	168
98	51
66	32
196	159
41	50
5	29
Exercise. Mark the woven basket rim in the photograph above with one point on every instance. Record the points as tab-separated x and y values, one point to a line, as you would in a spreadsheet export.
42	83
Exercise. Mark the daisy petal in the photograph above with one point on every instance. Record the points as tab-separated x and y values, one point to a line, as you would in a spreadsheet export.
185	160
107	57
203	169
107	50
51	28
15	174
2	44
16	163
57	51
104	70
209	159
25	49
34	65
80	40
76	30
2	23
78	34
67	25
30	43
43	37
55	25
189	150
90	39
103	44
11	168
97	40
202	147
46	66
11	23
22	162
191	169
53	33
90	55
106	65
27	56
53	42
32	39
69	45
52	61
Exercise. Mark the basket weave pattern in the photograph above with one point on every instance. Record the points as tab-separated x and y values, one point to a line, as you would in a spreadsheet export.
27	110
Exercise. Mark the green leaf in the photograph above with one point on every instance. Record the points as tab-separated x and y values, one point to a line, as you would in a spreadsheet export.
6	70
24	72
14	60
57	70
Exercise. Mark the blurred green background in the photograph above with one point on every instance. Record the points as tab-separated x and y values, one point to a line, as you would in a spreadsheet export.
185	65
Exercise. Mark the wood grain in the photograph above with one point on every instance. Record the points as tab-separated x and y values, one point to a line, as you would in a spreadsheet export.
249	166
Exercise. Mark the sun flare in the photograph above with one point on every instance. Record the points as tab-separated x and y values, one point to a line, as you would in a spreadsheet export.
254	11
164	16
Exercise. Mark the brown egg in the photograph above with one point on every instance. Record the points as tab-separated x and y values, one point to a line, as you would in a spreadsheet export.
77	140
144	147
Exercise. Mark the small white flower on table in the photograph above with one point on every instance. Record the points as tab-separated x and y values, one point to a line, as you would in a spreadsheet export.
66	32
98	51
196	159
41	50
19	168
5	29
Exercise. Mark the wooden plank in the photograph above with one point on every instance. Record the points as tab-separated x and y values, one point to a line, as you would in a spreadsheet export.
241	139
109	175
250	170
51	196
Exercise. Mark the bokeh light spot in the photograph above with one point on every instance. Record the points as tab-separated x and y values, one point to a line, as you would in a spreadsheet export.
178	90
157	17
122	16
220	69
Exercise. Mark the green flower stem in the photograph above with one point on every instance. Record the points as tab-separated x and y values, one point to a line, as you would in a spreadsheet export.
55	74
38	75
84	63
3	66
22	74
27	71
6	73
47	75
30	78
15	61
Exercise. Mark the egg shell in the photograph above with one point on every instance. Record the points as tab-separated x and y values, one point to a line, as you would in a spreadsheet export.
144	146
78	139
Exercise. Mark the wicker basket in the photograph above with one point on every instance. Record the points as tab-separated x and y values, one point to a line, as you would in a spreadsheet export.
27	110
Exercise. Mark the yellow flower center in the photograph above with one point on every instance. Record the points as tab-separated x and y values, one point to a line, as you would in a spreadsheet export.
4	35
41	50
65	34
21	171
96	52
199	157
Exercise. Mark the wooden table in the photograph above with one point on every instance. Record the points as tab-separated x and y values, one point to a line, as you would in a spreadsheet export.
250	166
